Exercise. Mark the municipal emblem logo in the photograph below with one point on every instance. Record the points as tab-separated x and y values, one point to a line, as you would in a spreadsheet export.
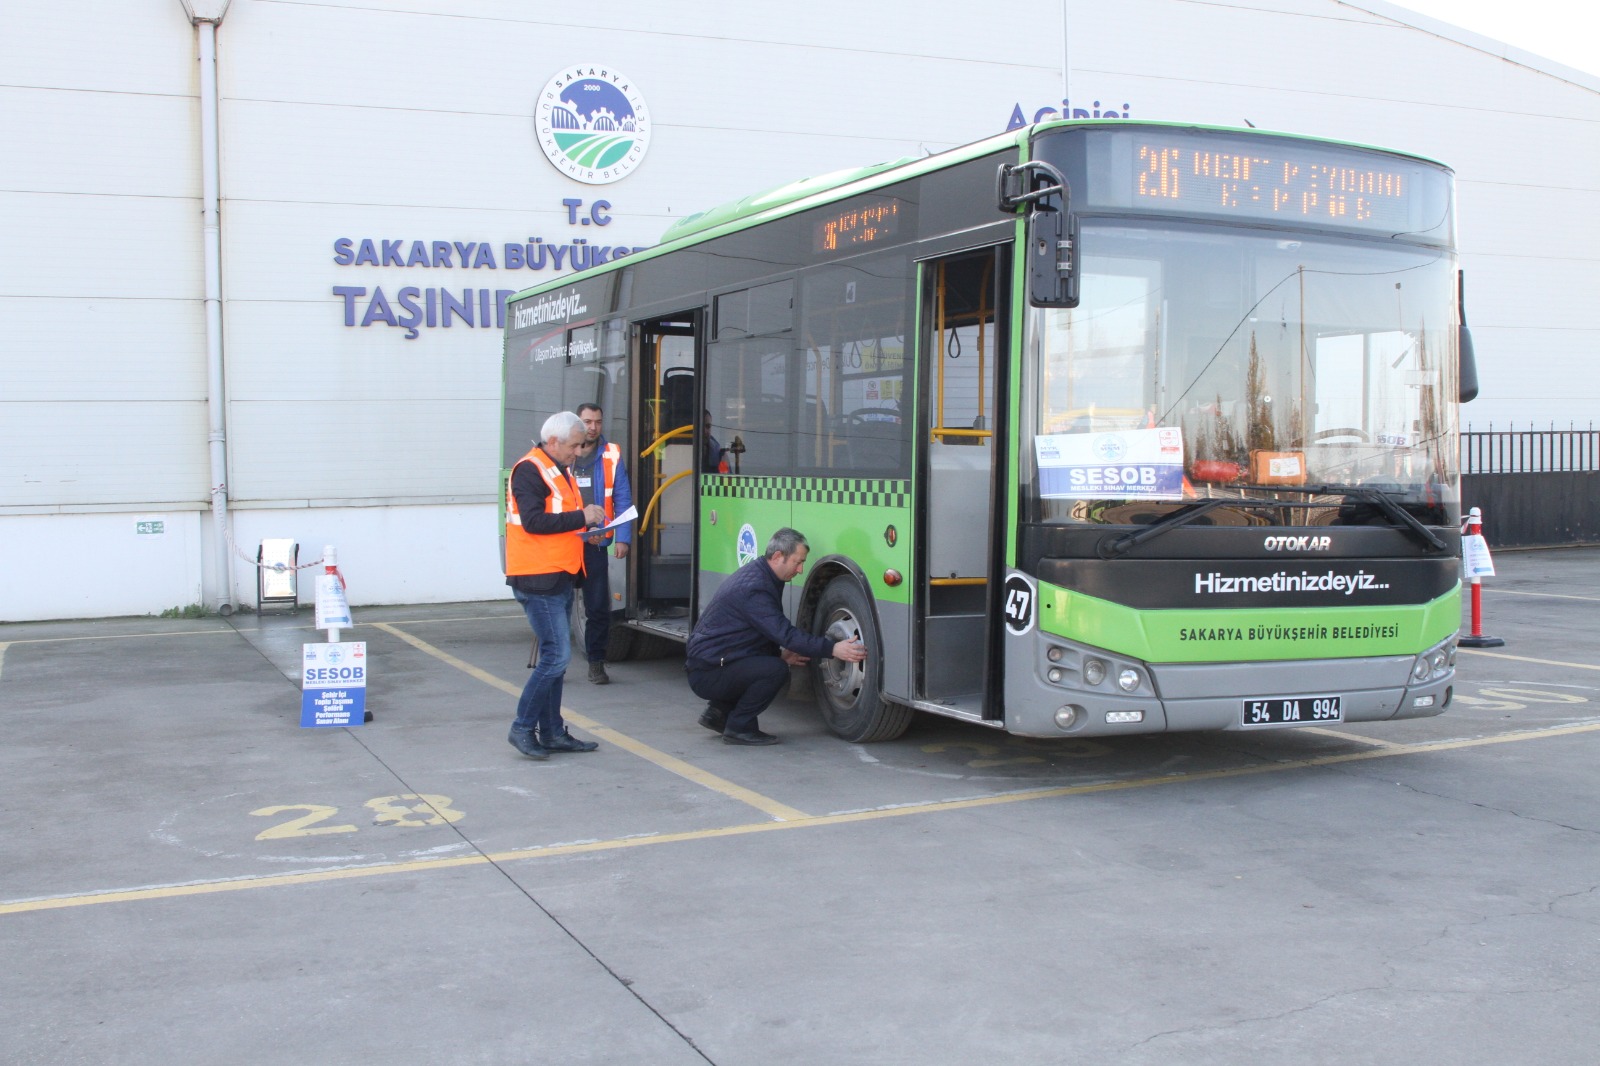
1110	448
592	123
745	549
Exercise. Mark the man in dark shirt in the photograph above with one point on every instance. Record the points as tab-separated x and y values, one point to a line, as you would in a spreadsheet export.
602	477
544	561
738	656
711	452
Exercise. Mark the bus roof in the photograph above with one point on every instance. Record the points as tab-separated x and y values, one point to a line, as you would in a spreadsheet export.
810	192
747	208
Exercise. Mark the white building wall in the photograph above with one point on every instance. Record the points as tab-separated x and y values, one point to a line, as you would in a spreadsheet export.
411	120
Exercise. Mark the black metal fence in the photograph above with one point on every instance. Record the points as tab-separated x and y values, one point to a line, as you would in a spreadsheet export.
1535	487
1529	451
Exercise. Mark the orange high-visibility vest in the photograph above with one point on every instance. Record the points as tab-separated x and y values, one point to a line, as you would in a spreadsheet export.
548	553
608	463
609	458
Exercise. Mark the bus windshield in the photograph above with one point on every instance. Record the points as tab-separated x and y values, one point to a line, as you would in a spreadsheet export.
1247	364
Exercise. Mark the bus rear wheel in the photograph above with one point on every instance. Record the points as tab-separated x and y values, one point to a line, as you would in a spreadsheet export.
849	695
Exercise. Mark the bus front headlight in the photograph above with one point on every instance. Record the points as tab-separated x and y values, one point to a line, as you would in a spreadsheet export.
1435	663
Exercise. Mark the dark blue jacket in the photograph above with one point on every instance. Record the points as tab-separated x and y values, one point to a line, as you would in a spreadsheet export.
745	618
588	466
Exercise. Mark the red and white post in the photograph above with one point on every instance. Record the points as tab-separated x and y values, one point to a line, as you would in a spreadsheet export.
333	609
1475	560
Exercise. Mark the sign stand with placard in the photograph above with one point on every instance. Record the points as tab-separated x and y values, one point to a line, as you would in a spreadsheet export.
333	676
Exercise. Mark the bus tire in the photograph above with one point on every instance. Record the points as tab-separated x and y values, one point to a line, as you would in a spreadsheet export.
621	643
850	695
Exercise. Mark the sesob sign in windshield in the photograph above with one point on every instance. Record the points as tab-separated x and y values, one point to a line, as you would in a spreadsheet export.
1140	463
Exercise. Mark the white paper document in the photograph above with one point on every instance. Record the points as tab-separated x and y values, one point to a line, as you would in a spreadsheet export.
622	519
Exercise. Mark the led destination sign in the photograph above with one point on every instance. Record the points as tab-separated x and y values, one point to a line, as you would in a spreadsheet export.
856	226
1283	186
1266	178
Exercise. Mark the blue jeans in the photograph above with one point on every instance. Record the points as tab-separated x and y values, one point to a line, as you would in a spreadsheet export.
540	705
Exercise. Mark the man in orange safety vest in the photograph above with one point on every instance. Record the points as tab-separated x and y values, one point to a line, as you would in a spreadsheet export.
545	517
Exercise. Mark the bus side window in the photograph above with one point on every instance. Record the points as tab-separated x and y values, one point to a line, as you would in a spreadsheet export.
853	337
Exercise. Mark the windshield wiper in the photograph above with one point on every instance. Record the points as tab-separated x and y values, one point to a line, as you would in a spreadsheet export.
1380	499
1111	548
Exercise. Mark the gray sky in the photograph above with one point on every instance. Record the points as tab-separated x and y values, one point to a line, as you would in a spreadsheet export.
1567	31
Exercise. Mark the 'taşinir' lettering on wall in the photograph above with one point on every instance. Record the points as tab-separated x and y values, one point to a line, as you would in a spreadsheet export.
414	308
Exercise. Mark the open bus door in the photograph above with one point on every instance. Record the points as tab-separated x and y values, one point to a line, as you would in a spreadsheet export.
962	341
666	351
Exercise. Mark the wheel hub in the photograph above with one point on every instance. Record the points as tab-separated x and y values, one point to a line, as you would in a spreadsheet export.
841	680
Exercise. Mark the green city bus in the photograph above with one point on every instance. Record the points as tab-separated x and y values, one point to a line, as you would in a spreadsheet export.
1094	427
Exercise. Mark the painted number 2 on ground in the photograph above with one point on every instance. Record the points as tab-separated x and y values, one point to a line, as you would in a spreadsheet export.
407	809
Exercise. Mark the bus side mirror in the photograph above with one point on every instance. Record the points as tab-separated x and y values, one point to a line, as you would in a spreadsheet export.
1467	359
1052	251
1468	369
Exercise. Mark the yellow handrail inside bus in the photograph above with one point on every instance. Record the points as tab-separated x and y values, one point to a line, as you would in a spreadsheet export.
645	521
958	581
666	437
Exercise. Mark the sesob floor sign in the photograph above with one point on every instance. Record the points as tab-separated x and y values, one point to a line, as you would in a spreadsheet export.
333	684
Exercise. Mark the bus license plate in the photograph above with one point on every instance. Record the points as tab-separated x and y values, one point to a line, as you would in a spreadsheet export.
1293	711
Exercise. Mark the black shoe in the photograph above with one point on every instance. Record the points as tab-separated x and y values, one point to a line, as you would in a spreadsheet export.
755	736
598	675
568	742
714	718
524	741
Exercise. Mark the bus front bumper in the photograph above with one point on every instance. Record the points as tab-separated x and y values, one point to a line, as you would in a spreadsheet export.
1221	696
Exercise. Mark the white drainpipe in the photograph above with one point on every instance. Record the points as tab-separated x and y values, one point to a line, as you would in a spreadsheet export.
206	14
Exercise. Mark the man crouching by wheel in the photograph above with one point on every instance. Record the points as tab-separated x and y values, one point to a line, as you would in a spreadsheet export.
738	656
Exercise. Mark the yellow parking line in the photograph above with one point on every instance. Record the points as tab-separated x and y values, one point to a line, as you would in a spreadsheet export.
1358	738
1551	595
229	630
780	811
1525	659
514	612
848	818
224	628
232	885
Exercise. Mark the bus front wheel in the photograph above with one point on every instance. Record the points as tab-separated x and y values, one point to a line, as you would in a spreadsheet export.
850	694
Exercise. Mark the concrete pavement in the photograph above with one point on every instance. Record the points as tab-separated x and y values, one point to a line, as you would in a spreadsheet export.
186	873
